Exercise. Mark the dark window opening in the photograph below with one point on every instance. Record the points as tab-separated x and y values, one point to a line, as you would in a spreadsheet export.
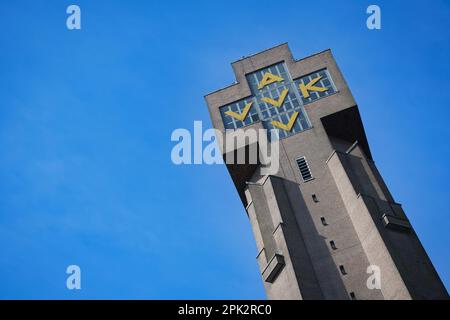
341	267
333	245
352	295
324	222
314	197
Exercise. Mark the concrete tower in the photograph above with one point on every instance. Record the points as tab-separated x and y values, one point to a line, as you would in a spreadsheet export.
325	218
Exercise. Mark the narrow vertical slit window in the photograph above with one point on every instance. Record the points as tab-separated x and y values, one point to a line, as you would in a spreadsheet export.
314	197
341	267
324	222
352	295
333	245
305	172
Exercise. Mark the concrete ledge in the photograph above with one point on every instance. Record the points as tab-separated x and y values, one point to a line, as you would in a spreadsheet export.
395	223
273	268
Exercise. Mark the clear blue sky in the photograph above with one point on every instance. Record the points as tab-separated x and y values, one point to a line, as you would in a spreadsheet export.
86	118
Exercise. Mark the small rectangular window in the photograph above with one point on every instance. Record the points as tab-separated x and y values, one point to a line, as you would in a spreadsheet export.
352	295
305	172
314	197
324	222
341	267
333	245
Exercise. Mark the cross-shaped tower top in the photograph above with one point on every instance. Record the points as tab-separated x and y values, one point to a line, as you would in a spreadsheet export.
276	100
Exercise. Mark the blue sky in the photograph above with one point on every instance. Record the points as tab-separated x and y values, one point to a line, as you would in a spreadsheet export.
86	118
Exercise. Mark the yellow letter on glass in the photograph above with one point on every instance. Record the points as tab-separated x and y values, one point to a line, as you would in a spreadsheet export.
279	102
269	78
243	115
310	87
289	125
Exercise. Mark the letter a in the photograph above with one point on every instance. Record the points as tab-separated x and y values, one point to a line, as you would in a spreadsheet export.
374	20
74	280
374	281
74	20
181	152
